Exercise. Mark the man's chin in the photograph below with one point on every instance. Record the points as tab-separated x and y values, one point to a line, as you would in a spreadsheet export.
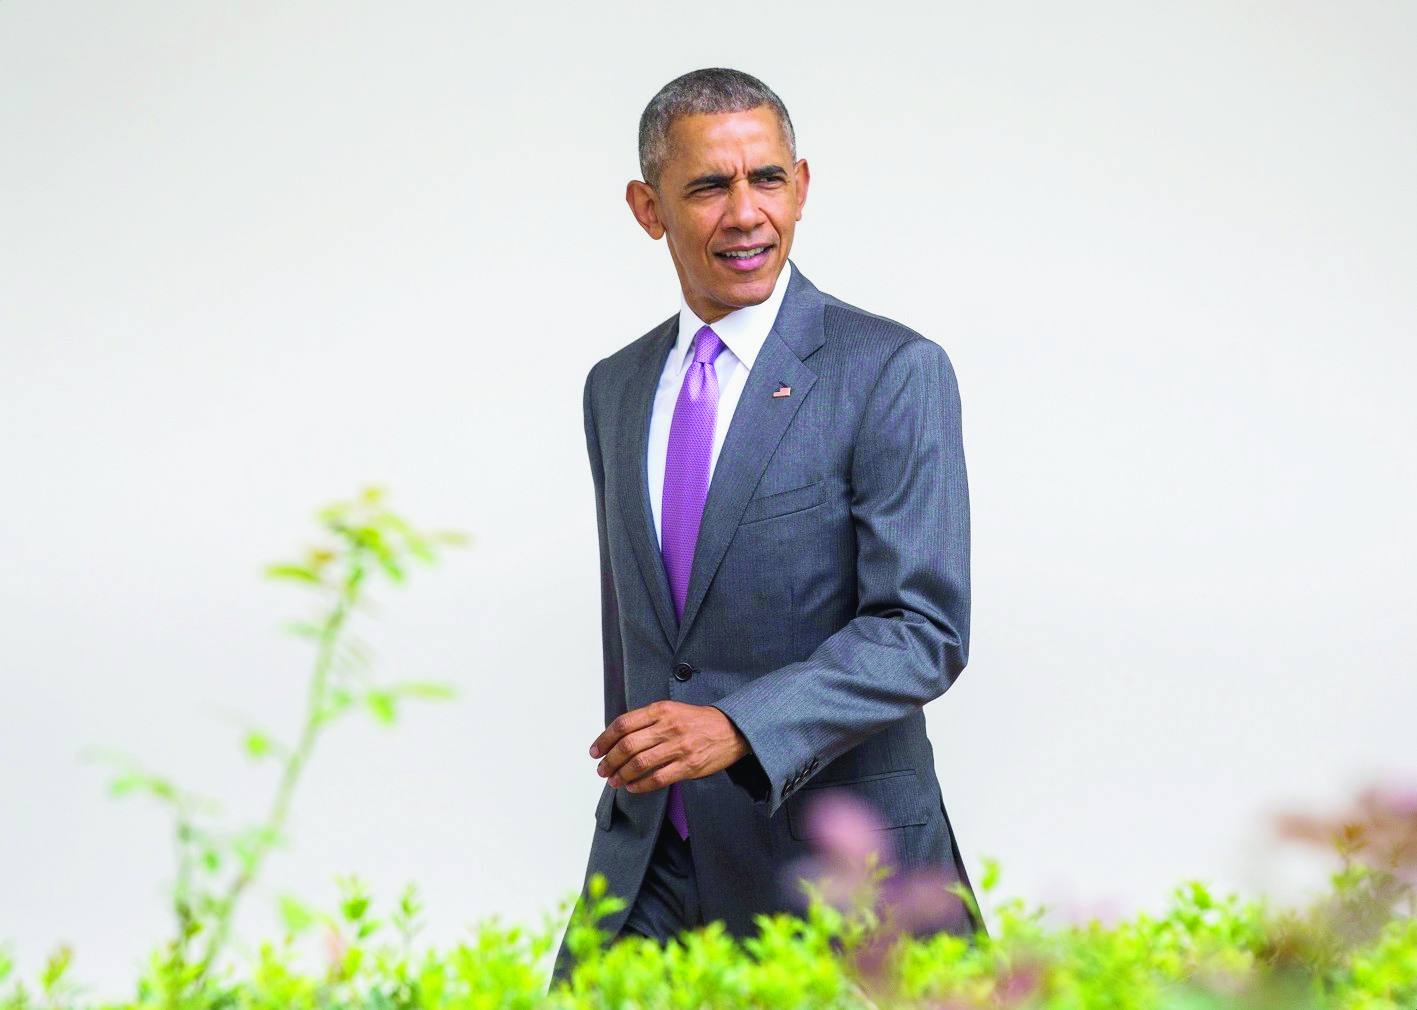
751	290
721	307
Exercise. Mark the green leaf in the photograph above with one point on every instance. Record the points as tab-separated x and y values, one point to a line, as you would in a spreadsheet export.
428	690
990	879
381	706
257	744
125	785
302	629
141	782
56	966
293	573
386	555
296	915
409	907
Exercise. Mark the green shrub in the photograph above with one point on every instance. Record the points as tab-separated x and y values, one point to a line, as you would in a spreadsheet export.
1354	948
1204	953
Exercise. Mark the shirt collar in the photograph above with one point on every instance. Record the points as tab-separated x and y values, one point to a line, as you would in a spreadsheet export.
743	331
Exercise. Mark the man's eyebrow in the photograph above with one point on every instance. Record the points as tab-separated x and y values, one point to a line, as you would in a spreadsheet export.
722	178
713	179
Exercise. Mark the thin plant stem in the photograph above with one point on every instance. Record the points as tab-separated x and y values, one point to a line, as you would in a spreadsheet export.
315	718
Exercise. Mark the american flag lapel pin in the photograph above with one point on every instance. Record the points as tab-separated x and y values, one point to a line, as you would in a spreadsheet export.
783	389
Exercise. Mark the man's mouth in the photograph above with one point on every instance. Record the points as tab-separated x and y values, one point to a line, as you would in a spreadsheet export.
746	259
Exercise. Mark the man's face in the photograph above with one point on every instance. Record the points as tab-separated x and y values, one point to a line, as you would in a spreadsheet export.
727	201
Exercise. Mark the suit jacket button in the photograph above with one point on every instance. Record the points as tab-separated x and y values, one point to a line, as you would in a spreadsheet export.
683	671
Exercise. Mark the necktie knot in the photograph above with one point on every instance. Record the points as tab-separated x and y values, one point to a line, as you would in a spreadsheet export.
707	345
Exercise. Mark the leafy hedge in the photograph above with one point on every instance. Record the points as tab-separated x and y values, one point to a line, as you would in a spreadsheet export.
1353	949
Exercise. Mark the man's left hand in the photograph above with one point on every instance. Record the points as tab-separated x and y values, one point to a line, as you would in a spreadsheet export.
666	742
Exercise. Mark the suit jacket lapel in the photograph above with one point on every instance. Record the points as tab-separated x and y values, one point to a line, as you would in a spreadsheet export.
757	426
631	458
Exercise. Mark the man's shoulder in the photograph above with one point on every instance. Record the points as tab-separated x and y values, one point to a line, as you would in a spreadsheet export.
845	327
855	331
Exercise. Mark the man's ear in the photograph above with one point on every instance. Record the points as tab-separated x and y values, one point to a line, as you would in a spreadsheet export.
644	204
803	175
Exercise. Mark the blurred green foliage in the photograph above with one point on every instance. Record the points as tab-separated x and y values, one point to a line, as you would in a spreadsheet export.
363	541
1204	953
1354	948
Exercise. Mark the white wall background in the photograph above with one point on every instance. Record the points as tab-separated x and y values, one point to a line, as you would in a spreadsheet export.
253	256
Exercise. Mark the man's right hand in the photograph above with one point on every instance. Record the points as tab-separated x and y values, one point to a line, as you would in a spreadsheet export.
666	742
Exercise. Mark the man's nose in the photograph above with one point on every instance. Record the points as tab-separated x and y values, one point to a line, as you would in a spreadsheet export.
743	210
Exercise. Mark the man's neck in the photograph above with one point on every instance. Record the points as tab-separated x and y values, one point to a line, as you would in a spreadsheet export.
743	330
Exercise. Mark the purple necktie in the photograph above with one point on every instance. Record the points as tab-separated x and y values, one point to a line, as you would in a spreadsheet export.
686	483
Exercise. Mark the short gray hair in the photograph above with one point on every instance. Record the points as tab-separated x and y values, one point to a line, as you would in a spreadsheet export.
708	92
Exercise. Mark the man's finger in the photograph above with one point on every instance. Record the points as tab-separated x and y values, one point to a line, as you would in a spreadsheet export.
664	775
630	721
643	763
629	745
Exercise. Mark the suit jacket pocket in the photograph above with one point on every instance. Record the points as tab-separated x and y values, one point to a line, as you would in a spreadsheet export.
605	809
798	499
894	797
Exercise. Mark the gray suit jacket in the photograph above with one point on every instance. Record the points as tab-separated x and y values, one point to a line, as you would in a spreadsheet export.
828	601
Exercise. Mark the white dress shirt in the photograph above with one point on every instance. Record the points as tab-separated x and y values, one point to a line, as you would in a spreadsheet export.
742	332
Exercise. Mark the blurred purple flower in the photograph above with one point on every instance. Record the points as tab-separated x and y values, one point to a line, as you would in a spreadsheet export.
1381	831
854	869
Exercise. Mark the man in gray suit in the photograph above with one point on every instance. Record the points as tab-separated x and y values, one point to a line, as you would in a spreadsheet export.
784	544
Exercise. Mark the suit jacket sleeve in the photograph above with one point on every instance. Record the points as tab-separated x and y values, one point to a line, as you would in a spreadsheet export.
615	703
909	638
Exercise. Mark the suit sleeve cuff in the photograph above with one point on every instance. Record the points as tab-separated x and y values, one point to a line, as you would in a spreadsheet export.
747	772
